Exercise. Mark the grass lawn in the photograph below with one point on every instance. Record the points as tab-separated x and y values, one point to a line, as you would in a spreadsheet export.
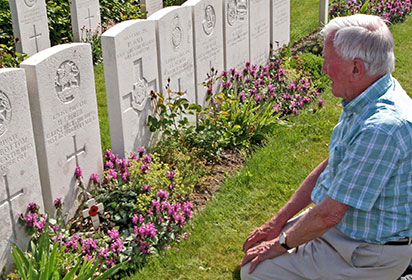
254	194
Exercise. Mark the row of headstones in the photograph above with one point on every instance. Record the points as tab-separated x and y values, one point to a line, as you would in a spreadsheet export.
177	46
30	24
48	126
48	111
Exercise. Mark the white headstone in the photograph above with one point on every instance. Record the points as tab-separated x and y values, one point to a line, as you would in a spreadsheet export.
175	49
85	18
131	73
151	6
236	33
259	31
323	12
280	23
30	27
19	174
64	111
207	41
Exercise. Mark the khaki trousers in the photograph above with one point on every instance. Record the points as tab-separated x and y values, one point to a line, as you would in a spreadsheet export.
334	256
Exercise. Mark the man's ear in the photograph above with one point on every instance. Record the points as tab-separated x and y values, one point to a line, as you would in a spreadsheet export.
358	70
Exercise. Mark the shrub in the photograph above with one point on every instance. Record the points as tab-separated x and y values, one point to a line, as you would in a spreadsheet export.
242	113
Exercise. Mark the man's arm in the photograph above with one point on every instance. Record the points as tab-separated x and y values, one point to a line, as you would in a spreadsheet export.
314	224
300	199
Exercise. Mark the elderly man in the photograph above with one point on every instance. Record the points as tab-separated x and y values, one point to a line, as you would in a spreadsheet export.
360	226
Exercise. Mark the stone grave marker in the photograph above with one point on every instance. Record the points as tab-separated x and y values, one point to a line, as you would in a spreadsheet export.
131	73
236	33
175	49
323	12
259	31
66	127
151	6
19	174
207	41
85	18
30	27
280	23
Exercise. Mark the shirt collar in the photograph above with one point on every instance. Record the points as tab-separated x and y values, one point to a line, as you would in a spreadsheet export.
373	92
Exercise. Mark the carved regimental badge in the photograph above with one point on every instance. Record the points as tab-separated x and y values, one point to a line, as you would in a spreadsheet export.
140	94
231	12
236	10
5	112
67	79
177	33
209	20
30	3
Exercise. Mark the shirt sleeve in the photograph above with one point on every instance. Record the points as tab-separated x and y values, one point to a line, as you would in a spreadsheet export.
366	166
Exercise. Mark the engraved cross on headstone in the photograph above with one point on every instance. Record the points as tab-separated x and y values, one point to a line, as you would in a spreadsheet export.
76	152
137	98
89	18
35	36
8	199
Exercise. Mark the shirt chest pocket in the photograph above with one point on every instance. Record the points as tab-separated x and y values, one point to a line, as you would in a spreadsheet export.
335	158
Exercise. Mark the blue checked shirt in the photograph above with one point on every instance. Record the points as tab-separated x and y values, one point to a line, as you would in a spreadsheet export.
370	164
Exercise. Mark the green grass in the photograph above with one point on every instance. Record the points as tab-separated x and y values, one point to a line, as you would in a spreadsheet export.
248	199
254	194
102	106
403	52
304	17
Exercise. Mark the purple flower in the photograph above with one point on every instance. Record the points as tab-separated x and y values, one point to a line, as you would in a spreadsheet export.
320	102
104	253
162	194
227	84
58	203
271	88
144	167
258	97
112	174
94	177
242	95
126	176
78	172
141	151
147	159
146	188
114	234
147	230
171	174
40	224
109	164
31	219
144	248
32	207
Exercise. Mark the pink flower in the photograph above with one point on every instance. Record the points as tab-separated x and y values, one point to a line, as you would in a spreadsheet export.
94	177
114	234
162	194
320	102
78	172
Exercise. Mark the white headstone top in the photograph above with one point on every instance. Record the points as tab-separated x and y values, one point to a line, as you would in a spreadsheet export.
85	18
30	25
131	73
280	27
207	42
64	111
236	33
19	174
259	31
151	6
175	49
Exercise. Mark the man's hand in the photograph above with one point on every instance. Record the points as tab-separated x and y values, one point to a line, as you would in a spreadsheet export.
266	232
265	250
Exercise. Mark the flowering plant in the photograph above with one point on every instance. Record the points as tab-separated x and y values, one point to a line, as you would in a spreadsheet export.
392	10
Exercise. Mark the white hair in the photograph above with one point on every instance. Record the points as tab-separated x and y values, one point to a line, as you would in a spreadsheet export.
366	37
